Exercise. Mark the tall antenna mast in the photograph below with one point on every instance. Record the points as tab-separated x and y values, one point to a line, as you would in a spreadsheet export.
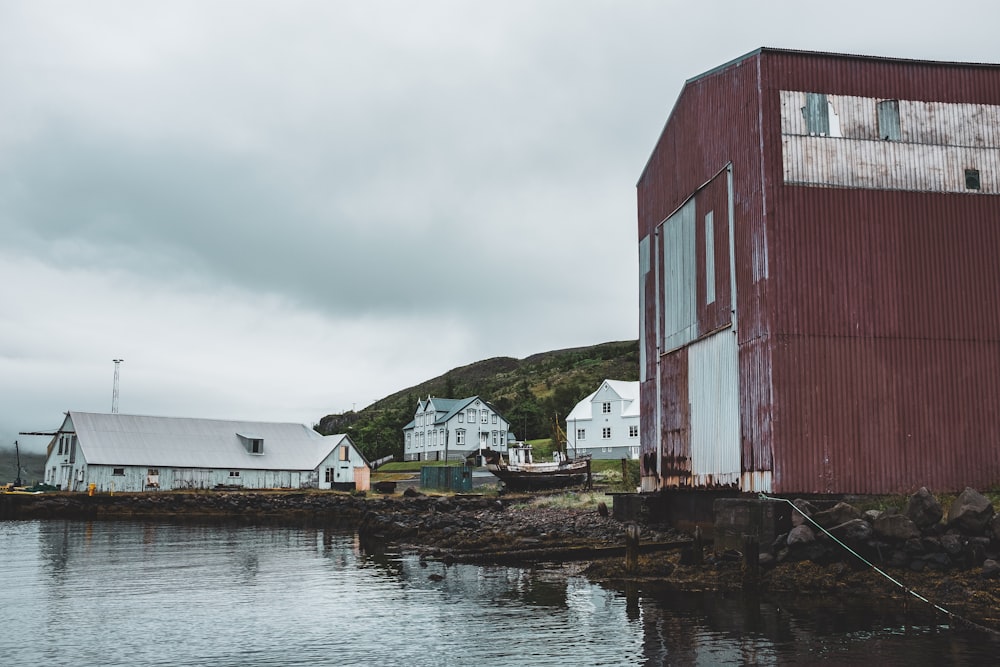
114	393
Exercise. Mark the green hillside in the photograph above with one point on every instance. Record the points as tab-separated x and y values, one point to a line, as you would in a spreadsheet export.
32	467
531	393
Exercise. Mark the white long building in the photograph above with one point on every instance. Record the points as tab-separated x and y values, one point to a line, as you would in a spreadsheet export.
117	452
606	423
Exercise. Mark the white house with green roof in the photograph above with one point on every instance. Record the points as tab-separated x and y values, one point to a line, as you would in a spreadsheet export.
453	428
606	423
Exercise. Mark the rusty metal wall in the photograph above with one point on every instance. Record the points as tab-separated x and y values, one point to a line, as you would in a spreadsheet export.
885	351
868	319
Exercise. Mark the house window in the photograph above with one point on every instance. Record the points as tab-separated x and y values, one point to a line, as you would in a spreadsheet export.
606	408
460	437
118	471
461	417
345	453
256	446
972	179
494	419
888	120
817	115
472	415
606	432
485	417
581	434
633	431
234	473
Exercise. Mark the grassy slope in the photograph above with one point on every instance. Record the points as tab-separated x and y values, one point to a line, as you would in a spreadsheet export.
531	393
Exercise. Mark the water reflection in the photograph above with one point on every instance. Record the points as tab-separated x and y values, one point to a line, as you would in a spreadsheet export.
159	593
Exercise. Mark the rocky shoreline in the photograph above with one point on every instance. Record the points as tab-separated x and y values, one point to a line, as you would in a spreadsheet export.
536	530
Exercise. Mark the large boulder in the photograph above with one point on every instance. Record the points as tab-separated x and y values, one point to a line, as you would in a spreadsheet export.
836	515
970	513
923	509
852	532
897	527
800	535
803	509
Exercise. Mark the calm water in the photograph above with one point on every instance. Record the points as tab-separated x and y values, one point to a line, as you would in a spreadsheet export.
76	593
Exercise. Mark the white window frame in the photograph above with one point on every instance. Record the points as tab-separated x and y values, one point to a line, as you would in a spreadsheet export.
606	433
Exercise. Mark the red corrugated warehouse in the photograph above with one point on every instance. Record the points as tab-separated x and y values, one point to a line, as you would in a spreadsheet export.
819	242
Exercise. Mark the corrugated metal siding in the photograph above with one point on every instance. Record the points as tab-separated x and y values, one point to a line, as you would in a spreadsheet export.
886	356
715	416
685	161
889	312
869	358
712	203
675	419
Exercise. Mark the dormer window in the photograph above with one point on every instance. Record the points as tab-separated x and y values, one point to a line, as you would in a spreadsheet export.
254	444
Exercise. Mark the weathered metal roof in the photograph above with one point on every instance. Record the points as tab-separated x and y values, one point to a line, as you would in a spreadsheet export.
117	439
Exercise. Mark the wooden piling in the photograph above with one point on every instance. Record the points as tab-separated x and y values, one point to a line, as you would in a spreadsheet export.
631	547
698	547
751	562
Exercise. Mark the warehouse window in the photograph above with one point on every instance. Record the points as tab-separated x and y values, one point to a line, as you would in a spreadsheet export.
972	179
888	120
118	471
709	257
817	115
234	473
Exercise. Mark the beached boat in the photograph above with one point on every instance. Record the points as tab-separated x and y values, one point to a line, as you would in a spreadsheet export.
519	472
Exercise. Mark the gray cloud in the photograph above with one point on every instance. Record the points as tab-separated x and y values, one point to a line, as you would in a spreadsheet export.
322	202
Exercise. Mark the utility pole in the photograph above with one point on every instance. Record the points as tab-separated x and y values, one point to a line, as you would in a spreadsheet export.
114	392
17	475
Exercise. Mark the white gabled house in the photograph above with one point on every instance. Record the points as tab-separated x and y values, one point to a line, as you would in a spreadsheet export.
606	423
117	452
455	428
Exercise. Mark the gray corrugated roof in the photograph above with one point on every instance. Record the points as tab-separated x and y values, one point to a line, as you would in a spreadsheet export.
179	442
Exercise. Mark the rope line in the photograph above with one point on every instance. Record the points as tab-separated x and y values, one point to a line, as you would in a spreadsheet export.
906	589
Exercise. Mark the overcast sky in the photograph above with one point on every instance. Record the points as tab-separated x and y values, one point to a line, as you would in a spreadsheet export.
278	210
